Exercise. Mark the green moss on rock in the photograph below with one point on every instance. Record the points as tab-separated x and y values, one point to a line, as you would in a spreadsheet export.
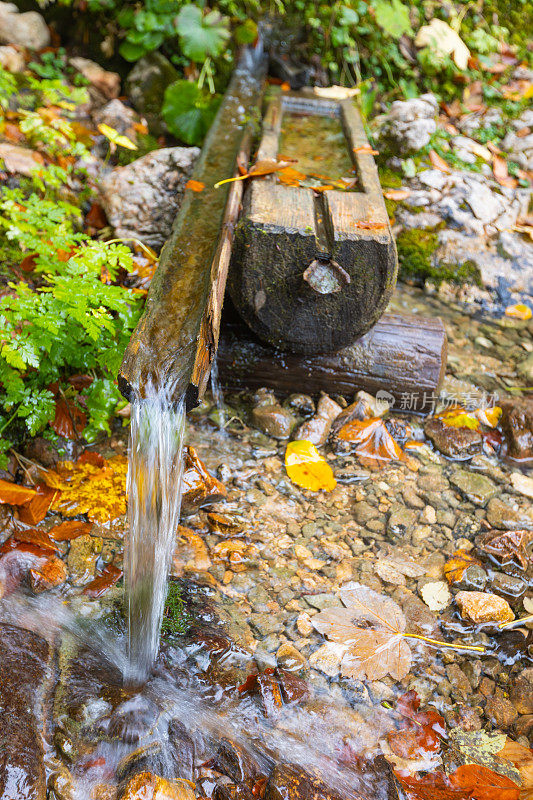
416	249
389	179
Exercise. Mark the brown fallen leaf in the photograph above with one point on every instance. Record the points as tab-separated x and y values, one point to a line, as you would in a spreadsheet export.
220	523
109	576
374	444
69	420
199	487
265	167
438	162
15	495
69	530
455	567
501	172
36	509
52	573
481	607
368	225
31	536
522	758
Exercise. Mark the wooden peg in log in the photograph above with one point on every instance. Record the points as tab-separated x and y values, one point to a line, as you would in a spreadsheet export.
403	355
311	271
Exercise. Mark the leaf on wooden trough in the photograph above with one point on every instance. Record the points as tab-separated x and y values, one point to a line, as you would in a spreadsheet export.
99	492
519	311
372	652
336	92
438	162
15	495
455	567
481	607
374	444
507	546
195	186
69	420
501	172
307	468
69	530
36	509
109	577
366	148
265	167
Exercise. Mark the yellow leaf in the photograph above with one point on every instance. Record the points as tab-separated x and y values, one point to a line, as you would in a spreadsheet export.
116	137
87	488
489	416
519	311
306	467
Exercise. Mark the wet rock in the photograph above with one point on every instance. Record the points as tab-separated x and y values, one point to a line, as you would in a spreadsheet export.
482	607
183	749
293	688
237	762
82	558
25	30
11	59
327	658
226	790
290	659
317	429
453	442
363	512
517	425
141	200
502	516
475	487
270	693
474	578
401	523
522	484
147	786
19	160
521	693
509	586
274	420
290	782
61	783
103	85
24	658
146	85
302	404
500	711
133	719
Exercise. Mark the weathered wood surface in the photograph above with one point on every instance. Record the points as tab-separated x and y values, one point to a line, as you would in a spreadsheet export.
284	229
402	355
175	341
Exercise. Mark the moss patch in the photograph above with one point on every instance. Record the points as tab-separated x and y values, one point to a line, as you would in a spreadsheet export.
416	248
389	179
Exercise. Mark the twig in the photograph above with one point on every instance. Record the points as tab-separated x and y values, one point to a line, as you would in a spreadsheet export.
513	622
439	643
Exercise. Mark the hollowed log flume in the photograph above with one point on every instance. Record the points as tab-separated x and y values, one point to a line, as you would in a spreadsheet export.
175	340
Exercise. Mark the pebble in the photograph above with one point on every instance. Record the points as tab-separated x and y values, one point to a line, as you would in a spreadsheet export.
475	487
327	659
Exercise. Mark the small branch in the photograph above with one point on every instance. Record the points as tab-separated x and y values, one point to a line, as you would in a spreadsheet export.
513	622
440	643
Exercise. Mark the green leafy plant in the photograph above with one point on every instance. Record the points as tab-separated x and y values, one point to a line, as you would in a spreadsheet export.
201	35
393	17
189	110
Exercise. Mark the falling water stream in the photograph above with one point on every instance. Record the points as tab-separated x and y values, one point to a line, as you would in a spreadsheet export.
154	502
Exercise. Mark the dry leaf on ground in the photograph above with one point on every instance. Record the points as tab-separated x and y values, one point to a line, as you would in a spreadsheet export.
307	468
501	172
482	607
507	546
438	162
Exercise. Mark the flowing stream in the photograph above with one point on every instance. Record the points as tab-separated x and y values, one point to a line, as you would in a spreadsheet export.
154	502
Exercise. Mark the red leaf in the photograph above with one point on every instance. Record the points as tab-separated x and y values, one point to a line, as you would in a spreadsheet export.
31	536
14	494
36	509
70	530
69	420
96	217
436	786
438	162
420	731
103	582
249	685
483	784
80	381
195	186
28	263
90	457
31	548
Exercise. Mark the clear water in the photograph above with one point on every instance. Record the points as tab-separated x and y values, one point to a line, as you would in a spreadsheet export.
218	395
154	502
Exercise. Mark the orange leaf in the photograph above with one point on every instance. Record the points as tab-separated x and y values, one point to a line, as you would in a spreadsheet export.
484	784
15	495
369	226
420	731
374	443
31	536
109	577
69	420
195	186
265	167
501	172
306	467
96	217
438	162
28	263
435	786
366	148
90	457
285	87
52	573
455	566
67	531
36	509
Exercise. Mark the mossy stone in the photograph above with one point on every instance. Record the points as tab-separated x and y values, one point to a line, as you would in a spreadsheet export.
416	251
146	85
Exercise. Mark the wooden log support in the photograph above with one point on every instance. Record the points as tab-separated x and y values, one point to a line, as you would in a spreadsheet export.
402	355
312	271
175	340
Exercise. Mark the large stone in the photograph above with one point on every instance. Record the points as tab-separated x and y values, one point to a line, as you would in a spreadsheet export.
103	85
25	30
118	116
24	658
502	516
146	85
517	425
410	124
19	160
12	59
142	199
453	442
475	487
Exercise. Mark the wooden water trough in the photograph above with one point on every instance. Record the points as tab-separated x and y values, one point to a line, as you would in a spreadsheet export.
312	270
